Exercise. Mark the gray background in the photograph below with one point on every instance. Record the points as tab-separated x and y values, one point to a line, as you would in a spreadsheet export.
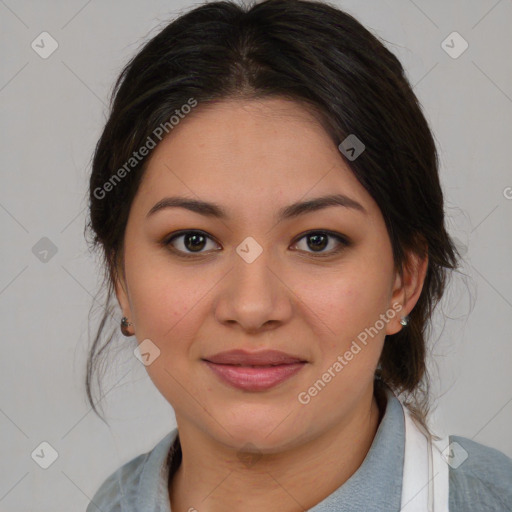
52	112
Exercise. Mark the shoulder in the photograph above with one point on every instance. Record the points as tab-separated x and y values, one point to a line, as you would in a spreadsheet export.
121	490
480	477
118	487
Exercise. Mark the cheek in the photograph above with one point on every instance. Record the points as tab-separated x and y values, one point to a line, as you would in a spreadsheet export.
346	302
163	297
165	309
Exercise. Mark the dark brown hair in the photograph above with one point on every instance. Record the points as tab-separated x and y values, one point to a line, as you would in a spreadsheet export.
316	54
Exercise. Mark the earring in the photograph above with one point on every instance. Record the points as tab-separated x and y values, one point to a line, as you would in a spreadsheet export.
404	320
124	326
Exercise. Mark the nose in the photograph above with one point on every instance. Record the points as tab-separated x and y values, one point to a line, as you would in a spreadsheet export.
254	296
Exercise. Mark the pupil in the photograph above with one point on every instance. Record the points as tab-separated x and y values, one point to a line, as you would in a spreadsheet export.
194	241
319	241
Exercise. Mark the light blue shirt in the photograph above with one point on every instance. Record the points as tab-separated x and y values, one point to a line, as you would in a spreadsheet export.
482	483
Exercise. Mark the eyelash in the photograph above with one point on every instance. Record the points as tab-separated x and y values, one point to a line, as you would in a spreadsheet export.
342	240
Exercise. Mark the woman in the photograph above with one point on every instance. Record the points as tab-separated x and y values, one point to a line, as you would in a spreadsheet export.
266	197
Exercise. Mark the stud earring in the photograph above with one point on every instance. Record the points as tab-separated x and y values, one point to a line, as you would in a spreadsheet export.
124	326
404	320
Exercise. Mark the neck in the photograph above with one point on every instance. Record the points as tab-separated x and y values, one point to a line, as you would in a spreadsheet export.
211	478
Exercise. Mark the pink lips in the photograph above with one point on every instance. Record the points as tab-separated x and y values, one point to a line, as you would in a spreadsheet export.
255	371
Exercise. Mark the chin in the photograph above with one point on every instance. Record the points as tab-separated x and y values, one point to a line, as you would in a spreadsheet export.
263	433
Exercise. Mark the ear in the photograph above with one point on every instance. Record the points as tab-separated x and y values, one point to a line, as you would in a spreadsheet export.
407	288
122	291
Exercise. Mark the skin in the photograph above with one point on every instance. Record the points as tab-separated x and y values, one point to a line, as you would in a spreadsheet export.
254	158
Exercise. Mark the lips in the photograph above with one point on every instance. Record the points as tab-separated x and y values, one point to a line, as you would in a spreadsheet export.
254	371
244	358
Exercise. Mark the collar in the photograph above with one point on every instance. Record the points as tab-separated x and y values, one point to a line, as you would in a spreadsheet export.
375	486
377	483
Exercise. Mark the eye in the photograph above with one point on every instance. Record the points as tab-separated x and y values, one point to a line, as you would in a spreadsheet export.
319	240
188	242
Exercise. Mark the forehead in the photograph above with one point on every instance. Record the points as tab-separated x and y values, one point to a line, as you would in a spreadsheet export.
271	152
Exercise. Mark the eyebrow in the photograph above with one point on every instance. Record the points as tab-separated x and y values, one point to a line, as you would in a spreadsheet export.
288	212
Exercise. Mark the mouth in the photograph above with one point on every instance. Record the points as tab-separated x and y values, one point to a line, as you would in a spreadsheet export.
254	377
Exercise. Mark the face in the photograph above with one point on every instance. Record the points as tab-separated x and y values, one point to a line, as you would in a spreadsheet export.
307	282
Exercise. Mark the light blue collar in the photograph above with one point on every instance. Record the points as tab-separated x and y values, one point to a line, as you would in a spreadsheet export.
376	486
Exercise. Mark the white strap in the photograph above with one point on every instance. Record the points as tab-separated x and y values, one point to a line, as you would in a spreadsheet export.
441	471
425	472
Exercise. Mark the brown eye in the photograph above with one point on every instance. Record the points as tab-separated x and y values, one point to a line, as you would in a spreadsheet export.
194	242
317	241
189	242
